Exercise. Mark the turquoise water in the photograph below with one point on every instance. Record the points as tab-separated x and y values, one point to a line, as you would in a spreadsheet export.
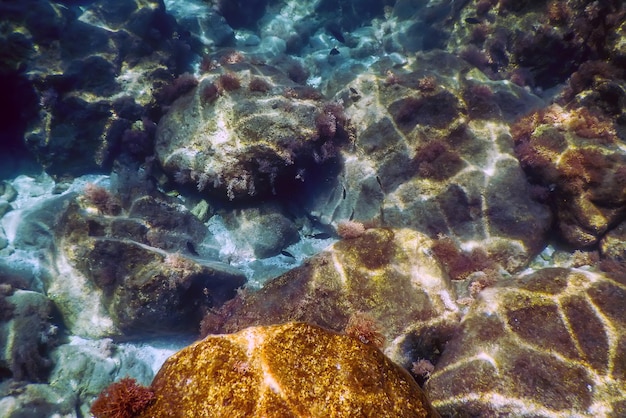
451	171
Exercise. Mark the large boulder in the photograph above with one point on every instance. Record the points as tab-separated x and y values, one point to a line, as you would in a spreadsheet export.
576	156
249	131
550	343
433	153
290	370
124	272
130	275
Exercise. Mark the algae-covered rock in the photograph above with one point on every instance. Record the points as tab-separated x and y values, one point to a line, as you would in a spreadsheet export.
432	153
120	276
536	43
124	273
26	334
290	370
577	157
551	343
36	400
388	275
249	131
89	74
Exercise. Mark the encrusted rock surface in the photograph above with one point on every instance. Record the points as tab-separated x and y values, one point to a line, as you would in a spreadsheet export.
34	400
248	131
135	272
26	334
577	158
95	364
550	343
290	370
261	231
387	275
433	153
535	43
85	75
129	284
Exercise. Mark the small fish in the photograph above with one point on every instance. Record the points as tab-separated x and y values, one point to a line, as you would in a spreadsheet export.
472	20
287	254
353	90
380	183
192	248
320	235
312	218
344	193
334	51
352	215
335	29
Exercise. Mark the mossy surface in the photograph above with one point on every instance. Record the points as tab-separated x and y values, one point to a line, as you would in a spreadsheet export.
290	370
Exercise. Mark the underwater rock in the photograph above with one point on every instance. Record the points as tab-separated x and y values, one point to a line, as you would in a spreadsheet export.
548	343
26	334
4	242
166	225
117	284
536	44
122	272
349	15
241	13
74	64
613	243
36	400
387	275
576	157
83	368
34	226
247	142
294	370
264	230
424	159
207	27
7	192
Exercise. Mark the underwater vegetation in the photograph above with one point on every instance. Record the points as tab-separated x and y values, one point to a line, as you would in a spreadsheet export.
377	208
